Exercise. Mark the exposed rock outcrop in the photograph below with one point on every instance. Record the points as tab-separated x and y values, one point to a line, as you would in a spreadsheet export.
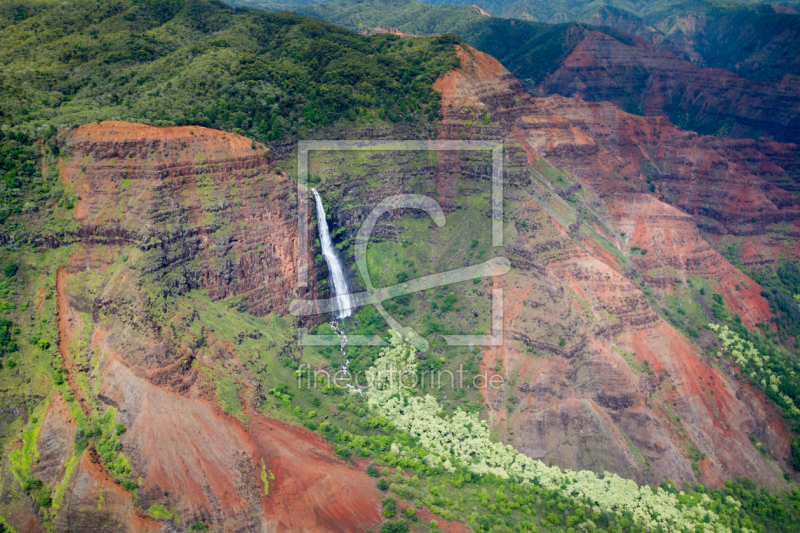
653	82
207	207
585	405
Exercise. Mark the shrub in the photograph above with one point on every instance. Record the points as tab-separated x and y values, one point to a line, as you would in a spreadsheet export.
343	452
383	484
394	527
372	471
10	270
389	507
795	460
45	500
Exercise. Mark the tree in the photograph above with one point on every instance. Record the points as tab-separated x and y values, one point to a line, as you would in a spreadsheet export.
276	132
10	270
394	527
389	507
795	460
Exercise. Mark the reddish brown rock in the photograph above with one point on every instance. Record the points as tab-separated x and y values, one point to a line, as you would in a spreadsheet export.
93	502
206	206
655	82
587	403
55	441
206	465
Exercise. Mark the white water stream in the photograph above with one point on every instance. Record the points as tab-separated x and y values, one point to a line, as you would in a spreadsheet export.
343	302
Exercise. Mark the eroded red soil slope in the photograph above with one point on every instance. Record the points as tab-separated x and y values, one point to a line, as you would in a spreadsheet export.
626	391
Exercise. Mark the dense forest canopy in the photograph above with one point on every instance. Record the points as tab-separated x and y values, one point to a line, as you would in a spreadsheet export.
205	63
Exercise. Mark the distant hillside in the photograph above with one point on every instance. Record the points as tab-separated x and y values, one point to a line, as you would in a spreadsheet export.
530	50
756	40
597	63
203	62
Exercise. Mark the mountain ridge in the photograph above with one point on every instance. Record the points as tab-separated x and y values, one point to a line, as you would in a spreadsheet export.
152	379
599	64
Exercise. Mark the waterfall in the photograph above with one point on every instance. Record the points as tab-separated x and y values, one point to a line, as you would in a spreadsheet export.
343	302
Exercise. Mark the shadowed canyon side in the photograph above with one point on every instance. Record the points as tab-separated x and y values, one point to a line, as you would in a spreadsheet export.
588	404
150	193
655	82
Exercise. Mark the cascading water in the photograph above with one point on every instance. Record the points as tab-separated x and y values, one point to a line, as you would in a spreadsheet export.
343	302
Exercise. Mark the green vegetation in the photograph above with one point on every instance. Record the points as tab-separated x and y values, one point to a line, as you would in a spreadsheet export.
274	77
228	393
538	49
780	285
201	62
20	165
751	39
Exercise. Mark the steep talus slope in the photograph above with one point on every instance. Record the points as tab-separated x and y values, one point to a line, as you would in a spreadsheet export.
645	80
207	464
585	405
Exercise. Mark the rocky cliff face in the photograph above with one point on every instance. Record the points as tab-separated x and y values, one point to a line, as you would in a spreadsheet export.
178	229
585	403
649	81
164	212
205	207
